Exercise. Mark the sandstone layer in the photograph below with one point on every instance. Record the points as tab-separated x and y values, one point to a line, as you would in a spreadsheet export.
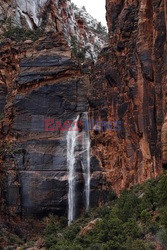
38	81
129	85
41	80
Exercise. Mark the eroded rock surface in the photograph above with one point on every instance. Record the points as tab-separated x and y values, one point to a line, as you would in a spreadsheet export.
41	80
129	85
48	84
78	27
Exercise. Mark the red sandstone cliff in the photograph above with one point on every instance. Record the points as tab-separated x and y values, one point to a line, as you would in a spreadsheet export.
39	79
129	84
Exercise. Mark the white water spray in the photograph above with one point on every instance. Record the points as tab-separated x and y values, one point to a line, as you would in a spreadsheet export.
71	144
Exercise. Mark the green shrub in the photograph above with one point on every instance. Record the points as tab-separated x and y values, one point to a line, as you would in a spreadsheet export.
141	245
131	229
19	34
50	240
163	216
124	223
112	196
145	216
162	191
149	200
162	237
71	232
128	205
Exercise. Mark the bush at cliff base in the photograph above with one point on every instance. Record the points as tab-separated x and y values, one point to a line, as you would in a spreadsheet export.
136	220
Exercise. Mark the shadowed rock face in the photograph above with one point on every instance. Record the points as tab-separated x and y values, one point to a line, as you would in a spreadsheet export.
40	80
3	92
48	84
129	84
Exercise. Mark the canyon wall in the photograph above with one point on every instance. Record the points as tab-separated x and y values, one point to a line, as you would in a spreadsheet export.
41	79
78	27
129	85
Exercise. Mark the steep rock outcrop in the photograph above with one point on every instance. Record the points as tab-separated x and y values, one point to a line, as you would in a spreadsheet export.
41	80
45	83
129	85
54	16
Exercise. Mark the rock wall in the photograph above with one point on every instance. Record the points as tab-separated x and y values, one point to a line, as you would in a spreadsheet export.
43	82
129	85
54	16
40	80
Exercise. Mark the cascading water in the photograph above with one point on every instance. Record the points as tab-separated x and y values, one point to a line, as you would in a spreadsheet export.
86	160
71	144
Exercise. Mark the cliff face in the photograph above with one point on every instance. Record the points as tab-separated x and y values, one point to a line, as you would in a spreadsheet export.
40	80
129	85
76	25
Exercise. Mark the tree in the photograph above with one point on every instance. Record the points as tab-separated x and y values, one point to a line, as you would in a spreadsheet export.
99	27
83	8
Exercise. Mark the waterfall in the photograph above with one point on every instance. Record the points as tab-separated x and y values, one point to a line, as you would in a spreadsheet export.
86	161
71	144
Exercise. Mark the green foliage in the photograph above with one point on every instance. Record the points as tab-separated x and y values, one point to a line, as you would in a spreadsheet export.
83	8
124	223
101	29
145	216
162	236
141	245
73	6
19	34
77	51
112	196
162	191
149	199
1	116
128	206
71	232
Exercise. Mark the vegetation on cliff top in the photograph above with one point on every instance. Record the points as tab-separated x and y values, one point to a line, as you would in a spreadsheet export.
19	34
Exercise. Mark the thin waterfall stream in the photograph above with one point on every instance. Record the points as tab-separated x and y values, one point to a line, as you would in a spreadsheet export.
72	143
